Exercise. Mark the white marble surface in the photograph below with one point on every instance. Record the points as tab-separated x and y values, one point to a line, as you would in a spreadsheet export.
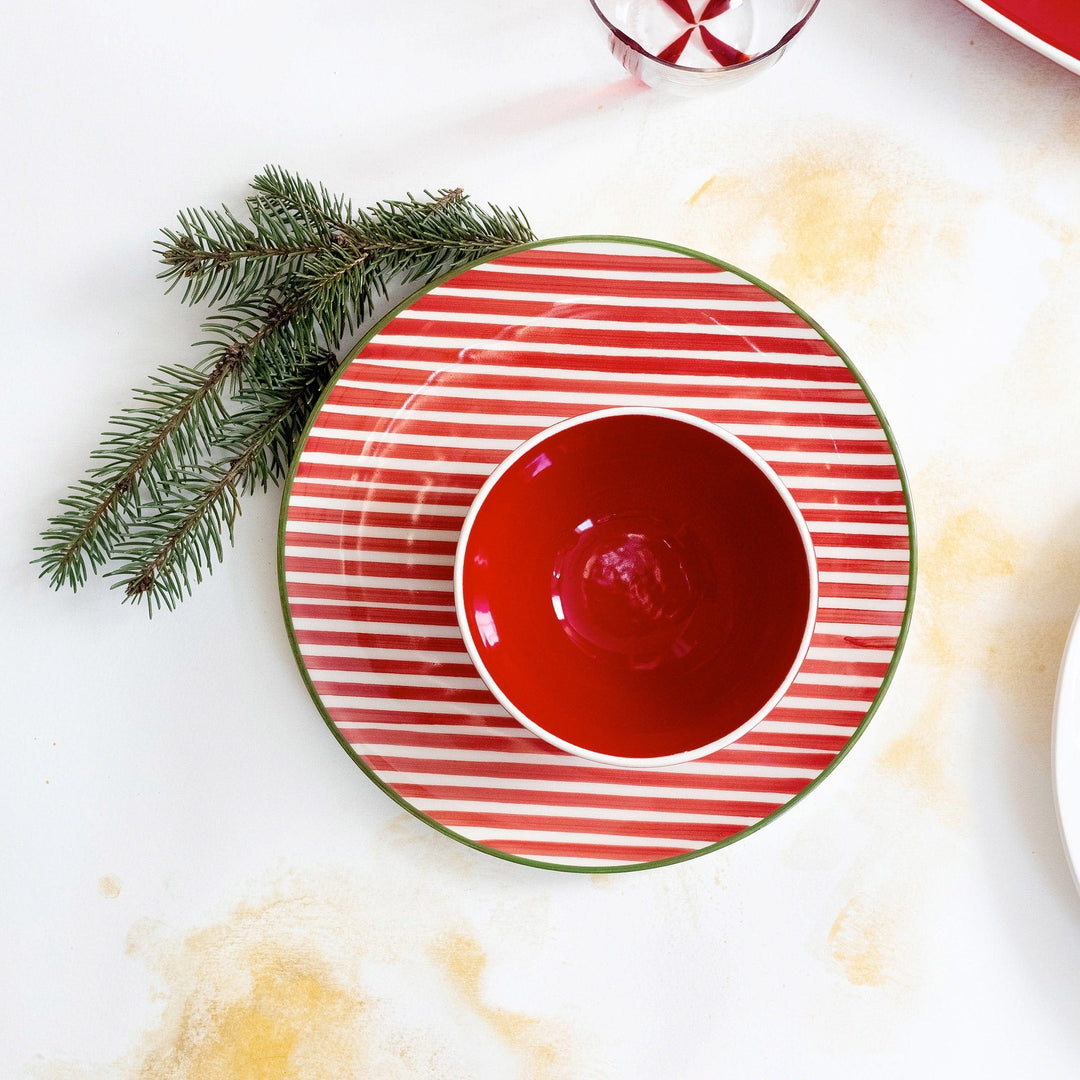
198	883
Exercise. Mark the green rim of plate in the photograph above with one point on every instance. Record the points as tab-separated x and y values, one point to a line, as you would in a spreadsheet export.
630	867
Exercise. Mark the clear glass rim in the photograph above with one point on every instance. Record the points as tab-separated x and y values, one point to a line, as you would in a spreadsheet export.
637	47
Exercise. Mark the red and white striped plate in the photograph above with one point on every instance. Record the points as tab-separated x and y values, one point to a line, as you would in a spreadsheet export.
439	394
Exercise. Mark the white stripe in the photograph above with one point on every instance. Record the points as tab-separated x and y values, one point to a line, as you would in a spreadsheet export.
448	441
853	602
639	374
818	704
857	630
512	347
863	579
847	656
622	788
493	837
885	555
450	708
428	318
597	300
496	757
320	502
423	466
480	419
348	554
814	678
388	678
362	581
582	813
708	274
685	401
805	727
369	533
351	626
313	650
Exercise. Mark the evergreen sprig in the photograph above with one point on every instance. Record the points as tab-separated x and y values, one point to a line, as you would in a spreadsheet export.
292	283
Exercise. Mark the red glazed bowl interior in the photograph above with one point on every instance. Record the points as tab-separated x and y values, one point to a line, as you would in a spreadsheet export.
636	586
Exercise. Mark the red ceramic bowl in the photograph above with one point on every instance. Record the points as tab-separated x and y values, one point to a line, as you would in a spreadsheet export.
636	586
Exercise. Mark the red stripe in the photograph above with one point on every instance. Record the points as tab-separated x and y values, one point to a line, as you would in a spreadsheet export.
563	259
379	493
875	541
863	592
499	768
615	853
510	309
764	443
457	361
405	693
524	743
862	566
329	515
519	380
368	568
377	717
582	287
329	444
350	473
610	338
374	613
835	470
841	498
397	667
860	616
828	692
835	717
704	833
844	667
372	545
832	743
847	515
882	642
721	415
591	800
362	594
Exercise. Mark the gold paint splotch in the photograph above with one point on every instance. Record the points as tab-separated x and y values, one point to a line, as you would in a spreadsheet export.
249	998
860	941
464	961
109	886
970	550
841	213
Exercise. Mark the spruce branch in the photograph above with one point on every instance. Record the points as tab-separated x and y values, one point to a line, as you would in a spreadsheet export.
291	283
181	540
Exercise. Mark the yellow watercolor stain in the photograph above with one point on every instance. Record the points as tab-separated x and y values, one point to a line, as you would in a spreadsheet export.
920	757
109	886
850	213
971	549
860	941
464	961
245	1003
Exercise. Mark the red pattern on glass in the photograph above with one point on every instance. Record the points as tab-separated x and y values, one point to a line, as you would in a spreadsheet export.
682	9
724	54
672	53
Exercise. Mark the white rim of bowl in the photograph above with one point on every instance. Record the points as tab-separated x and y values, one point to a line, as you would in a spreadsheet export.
593	755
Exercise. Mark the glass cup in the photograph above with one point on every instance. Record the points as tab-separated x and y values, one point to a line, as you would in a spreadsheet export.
686	45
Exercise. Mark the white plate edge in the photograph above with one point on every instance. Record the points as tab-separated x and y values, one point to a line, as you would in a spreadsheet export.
1065	749
1025	37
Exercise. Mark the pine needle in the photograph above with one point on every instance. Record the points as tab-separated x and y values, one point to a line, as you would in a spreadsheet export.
290	284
